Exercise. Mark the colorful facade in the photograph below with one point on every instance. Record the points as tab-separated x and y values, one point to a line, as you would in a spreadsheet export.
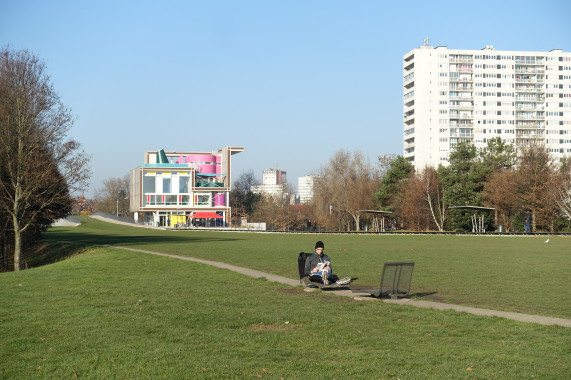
183	189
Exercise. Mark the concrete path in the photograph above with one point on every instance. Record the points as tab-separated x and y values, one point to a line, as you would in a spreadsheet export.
361	296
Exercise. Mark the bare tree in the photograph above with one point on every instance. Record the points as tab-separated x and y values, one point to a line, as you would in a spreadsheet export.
537	175
40	167
346	185
410	204
434	196
242	199
563	193
500	192
113	198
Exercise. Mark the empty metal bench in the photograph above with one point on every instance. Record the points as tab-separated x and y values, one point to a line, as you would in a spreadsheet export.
395	280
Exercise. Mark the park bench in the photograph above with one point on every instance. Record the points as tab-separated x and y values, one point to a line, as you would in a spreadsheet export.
395	280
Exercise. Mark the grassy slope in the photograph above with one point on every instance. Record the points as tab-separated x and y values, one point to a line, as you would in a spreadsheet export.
112	314
508	273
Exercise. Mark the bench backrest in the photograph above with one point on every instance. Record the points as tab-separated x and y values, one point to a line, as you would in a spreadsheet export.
396	278
301	263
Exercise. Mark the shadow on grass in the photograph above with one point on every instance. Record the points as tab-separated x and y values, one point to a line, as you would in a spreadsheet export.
89	238
46	253
421	295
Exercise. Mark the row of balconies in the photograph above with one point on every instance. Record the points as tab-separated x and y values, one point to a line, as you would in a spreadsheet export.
526	89
461	79
530	80
461	88
461	116
536	62
537	98
529	107
454	59
463	97
462	107
531	116
529	70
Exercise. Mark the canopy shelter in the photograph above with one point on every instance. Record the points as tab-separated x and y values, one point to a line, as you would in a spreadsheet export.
206	215
376	227
477	219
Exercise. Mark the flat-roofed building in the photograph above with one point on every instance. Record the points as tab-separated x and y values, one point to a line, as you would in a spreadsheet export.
455	95
183	188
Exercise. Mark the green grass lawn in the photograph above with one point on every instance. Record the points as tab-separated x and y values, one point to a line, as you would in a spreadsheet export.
518	273
113	314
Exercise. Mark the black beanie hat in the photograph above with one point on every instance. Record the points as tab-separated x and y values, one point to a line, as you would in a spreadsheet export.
319	244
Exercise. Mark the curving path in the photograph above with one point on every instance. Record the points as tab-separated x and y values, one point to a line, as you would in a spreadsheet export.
348	293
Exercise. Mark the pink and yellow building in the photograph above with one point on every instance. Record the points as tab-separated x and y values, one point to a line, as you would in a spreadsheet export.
183	188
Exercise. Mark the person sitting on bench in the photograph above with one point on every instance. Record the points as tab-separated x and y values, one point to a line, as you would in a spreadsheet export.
318	267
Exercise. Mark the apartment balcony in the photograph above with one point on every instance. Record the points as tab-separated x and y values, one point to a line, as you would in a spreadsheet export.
529	125
466	70
461	117
529	117
409	146
534	99
464	97
409	78
529	90
461	107
454	124
530	80
522	137
408	97
529	70
527	107
461	59
537	62
462	135
461	80
462	88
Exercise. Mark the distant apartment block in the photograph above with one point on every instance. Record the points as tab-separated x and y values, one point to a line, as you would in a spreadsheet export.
305	186
273	181
183	188
453	95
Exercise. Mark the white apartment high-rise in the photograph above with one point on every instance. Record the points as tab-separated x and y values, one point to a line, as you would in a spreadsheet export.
305	187
453	95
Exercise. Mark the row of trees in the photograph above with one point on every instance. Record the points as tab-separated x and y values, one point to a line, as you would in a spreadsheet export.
39	166
495	177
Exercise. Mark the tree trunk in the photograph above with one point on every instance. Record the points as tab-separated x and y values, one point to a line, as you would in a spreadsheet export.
17	244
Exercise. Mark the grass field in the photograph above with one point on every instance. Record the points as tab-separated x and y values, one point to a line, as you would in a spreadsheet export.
107	313
518	273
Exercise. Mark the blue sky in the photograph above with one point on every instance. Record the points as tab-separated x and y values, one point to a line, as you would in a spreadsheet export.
290	81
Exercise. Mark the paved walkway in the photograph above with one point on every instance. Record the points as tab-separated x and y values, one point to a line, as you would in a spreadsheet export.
359	296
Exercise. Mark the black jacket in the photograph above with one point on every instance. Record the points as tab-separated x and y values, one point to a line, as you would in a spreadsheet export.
314	259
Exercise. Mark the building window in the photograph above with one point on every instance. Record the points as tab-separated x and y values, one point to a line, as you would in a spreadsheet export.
183	182
166	185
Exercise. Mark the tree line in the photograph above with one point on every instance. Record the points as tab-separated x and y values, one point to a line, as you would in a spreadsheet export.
509	183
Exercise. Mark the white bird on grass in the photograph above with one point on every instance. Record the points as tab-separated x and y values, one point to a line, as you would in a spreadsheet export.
547	241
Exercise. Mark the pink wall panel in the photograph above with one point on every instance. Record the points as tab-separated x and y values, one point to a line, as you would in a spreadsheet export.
219	199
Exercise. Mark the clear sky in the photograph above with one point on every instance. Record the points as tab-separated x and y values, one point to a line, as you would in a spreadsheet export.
290	81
